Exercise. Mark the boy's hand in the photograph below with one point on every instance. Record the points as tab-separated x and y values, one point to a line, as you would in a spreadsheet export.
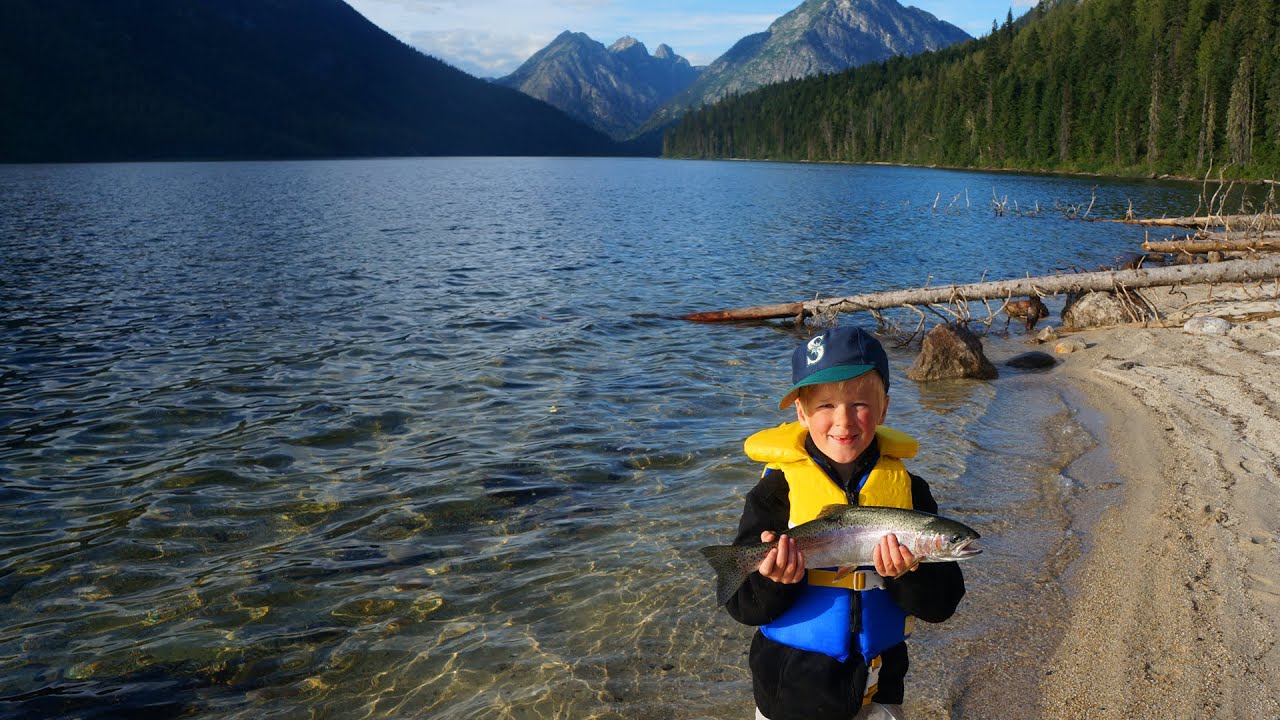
891	559
784	563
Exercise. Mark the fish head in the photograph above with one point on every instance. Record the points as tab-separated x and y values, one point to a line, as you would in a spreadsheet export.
949	540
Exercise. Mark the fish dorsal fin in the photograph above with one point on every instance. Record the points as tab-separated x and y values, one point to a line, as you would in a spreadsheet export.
831	510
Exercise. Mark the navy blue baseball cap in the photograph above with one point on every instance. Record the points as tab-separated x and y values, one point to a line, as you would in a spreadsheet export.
835	355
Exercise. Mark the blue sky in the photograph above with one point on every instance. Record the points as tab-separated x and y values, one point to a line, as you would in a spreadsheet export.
490	38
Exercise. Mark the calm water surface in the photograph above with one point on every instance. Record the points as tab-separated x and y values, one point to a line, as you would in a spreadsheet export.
418	438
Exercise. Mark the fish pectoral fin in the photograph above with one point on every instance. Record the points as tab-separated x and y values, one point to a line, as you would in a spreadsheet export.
842	572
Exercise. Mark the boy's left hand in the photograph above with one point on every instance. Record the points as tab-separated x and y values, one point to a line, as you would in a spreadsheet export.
892	559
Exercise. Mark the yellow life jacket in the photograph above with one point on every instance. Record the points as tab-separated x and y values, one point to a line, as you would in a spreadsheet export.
820	620
782	447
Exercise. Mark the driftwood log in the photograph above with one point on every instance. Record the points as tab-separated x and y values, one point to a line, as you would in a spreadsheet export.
1257	222
1219	242
1236	271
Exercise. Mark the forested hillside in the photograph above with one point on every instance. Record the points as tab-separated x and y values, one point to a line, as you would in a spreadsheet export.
1113	86
88	80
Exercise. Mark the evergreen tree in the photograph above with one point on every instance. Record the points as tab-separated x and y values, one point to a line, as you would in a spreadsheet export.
1120	86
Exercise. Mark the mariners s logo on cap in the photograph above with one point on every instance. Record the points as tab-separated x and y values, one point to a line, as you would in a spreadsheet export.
816	350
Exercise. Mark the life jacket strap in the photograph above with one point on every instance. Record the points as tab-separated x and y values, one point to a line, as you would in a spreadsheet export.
856	580
873	679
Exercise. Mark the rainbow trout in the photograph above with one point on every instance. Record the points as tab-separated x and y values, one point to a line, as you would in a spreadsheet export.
844	536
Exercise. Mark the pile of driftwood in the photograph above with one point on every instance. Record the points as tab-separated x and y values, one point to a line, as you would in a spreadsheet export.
1224	249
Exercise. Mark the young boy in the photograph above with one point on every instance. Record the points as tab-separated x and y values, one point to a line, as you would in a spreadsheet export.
834	649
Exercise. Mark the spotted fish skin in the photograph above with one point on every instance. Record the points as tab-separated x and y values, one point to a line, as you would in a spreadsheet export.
845	536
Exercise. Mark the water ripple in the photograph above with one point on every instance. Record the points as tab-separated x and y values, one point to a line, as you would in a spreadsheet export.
417	438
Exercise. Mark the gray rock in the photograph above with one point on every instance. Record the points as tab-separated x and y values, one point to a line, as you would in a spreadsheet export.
1070	345
1095	309
951	351
1207	326
1034	360
1049	334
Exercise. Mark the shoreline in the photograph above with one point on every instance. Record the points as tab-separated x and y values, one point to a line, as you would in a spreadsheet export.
1142	177
1173	606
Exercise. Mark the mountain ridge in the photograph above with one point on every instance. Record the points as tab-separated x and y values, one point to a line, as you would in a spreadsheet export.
818	36
614	89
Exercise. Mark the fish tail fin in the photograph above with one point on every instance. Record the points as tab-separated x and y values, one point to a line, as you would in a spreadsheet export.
732	564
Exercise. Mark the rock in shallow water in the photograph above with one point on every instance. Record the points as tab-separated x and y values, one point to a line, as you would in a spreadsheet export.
951	351
1034	360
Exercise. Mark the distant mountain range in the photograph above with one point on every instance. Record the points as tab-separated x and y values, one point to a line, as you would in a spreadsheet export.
90	80
614	89
623	90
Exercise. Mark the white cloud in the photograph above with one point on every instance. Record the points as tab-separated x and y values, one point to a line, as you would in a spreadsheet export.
481	53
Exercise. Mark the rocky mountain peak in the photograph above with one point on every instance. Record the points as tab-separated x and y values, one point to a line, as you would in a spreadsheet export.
818	36
613	89
626	42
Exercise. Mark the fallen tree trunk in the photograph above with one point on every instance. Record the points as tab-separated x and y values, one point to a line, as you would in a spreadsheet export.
1211	244
1237	271
1240	235
1257	222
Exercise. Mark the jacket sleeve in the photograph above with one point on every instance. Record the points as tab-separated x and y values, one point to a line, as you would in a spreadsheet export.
933	591
761	600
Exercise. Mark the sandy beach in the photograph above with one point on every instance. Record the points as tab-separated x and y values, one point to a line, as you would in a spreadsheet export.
1173	608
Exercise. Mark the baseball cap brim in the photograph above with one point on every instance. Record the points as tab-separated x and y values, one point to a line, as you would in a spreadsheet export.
839	373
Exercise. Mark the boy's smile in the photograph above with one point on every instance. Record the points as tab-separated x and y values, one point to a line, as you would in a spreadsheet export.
842	417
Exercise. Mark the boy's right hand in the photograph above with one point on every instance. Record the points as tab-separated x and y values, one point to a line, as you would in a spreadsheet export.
784	563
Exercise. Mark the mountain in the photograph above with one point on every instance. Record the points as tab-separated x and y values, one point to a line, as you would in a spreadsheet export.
613	89
87	80
819	36
1160	87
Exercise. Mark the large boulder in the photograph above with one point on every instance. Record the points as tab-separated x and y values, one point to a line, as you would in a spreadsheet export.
1094	309
951	351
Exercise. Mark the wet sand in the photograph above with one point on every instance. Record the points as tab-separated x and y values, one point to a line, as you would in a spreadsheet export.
1173	605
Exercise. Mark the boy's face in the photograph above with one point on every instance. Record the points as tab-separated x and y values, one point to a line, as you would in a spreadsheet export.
842	417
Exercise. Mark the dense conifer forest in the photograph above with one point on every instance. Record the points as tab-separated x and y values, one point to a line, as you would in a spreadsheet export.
92	80
1131	87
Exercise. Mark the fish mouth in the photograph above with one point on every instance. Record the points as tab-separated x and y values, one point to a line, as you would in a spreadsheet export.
966	549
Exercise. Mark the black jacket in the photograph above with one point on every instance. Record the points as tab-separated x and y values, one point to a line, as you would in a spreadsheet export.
796	684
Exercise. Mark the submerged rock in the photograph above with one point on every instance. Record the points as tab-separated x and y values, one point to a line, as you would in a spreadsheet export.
951	351
1034	360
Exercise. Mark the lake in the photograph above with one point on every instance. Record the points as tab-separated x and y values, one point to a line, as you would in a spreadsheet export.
421	437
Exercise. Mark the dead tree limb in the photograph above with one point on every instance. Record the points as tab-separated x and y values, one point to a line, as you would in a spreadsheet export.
1211	245
1237	271
1257	222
